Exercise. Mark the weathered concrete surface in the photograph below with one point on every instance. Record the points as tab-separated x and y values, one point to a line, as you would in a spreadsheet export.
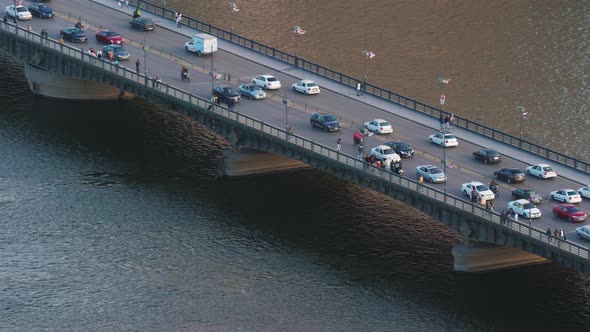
247	162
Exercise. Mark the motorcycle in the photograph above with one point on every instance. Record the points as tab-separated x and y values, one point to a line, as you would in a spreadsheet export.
185	76
494	188
357	138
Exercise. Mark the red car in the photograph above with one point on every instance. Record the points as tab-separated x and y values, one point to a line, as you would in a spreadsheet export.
109	37
570	212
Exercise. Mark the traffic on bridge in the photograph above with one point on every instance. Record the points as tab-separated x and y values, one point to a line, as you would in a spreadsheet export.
329	113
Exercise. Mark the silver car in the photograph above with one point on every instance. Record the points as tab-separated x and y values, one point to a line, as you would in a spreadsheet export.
431	173
252	91
583	232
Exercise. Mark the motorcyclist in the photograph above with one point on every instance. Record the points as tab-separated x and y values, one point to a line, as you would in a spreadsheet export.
357	137
184	73
493	186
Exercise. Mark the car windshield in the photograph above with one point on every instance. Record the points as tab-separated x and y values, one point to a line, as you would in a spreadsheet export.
388	151
271	79
571	193
449	136
492	153
329	118
383	124
548	169
528	206
434	170
311	85
514	171
255	87
573	209
111	33
229	90
403	146
77	31
482	187
21	9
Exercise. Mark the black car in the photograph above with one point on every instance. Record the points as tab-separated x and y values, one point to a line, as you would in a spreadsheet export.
41	10
510	175
488	156
527	194
143	23
403	149
119	52
73	34
226	93
326	121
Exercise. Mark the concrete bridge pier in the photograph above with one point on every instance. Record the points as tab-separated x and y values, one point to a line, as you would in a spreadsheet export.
250	162
474	256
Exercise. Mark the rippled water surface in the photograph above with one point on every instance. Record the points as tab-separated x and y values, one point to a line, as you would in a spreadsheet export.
113	218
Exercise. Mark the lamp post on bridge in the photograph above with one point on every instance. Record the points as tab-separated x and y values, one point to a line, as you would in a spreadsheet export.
144	61
287	103
444	81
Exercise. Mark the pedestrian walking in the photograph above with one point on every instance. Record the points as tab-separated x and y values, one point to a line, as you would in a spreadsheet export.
556	233
120	3
452	121
447	121
338	144
99	54
5	22
503	217
358	88
126	3
360	151
137	66
441	121
111	55
178	21
483	202
562	234
548	233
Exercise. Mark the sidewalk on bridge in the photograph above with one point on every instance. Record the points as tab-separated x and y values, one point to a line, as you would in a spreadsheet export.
350	92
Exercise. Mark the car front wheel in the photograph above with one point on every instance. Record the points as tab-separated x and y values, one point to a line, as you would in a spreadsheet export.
570	219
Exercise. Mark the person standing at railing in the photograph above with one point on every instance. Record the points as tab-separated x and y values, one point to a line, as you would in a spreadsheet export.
548	233
5	22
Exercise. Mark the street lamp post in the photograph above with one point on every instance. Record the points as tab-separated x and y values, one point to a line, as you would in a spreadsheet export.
233	7
287	103
144	62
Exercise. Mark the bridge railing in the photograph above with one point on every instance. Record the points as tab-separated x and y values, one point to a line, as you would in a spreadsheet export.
203	105
371	89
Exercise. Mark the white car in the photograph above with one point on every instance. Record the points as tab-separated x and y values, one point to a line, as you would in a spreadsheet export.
524	208
443	138
431	173
267	82
584	191
19	12
379	126
307	87
583	232
481	189
542	171
566	196
385	153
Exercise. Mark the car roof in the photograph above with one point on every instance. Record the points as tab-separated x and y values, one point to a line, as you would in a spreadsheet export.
383	146
521	200
473	183
542	165
566	205
306	81
265	76
565	190
379	120
427	166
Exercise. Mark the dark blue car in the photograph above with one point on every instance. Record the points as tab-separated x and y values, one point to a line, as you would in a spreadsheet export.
119	52
41	10
73	34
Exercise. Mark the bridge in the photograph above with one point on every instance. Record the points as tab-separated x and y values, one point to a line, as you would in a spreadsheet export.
67	71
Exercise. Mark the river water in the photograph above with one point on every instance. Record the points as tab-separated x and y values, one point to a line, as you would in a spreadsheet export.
114	217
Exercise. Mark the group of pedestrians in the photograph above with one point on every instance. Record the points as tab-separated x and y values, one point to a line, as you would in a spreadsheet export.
446	122
557	234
